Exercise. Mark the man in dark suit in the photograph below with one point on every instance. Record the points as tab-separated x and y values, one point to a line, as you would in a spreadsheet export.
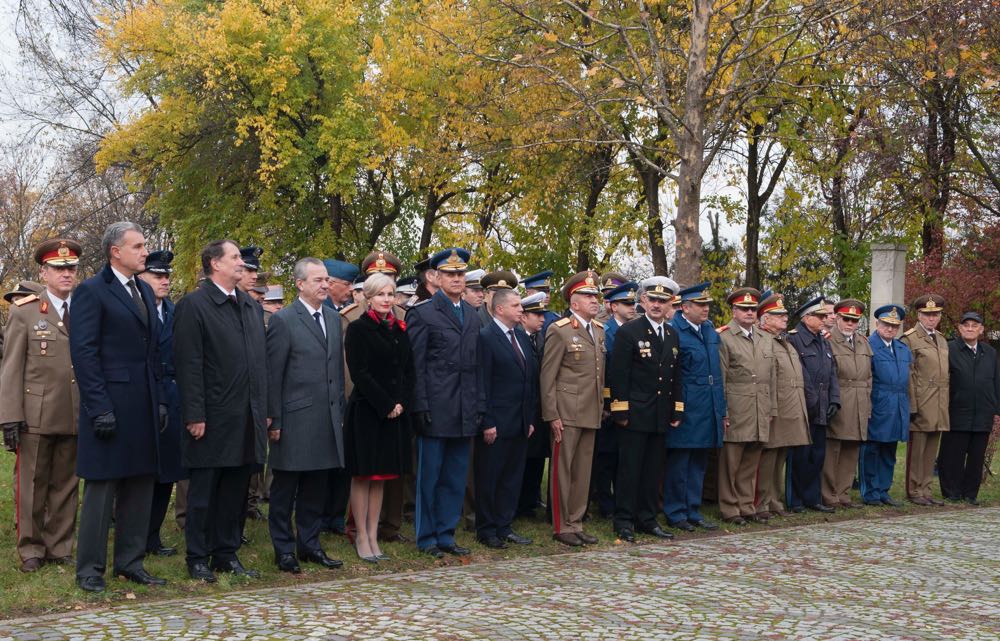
157	276
306	405
115	348
219	351
508	385
645	380
444	333
532	322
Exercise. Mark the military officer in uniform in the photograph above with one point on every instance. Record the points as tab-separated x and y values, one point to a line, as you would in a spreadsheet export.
704	419
790	428
342	275
24	288
274	300
645	402
474	294
491	283
251	259
928	398
541	283
572	382
539	448
605	467
805	463
890	419
609	281
39	409
849	427
171	470
749	376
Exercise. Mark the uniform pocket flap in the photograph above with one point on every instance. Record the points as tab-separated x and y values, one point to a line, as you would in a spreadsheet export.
298	403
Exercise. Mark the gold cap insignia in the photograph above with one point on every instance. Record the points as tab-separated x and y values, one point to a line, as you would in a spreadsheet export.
453	258
892	314
747	298
63	250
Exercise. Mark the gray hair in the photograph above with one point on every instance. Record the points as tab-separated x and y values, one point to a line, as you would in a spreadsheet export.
299	271
114	233
502	297
376	283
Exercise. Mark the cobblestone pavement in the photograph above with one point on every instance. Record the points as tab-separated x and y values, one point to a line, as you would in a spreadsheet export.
916	577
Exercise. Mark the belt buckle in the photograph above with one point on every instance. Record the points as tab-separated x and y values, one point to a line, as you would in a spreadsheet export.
711	380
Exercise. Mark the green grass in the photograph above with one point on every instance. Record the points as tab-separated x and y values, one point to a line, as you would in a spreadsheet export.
53	589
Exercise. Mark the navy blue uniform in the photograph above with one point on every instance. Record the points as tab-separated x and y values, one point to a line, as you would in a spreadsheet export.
890	419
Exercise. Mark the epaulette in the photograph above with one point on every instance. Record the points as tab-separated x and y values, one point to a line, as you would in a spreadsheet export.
719	330
30	298
349	308
562	322
419	303
599	324
792	331
910	331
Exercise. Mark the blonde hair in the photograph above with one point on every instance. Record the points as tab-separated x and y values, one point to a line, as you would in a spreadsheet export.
376	283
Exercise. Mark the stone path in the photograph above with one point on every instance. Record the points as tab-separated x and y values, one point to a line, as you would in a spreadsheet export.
934	576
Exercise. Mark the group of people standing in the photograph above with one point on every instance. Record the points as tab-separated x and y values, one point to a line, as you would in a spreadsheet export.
361	400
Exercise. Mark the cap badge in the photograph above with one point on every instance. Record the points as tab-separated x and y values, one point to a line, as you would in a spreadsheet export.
893	315
931	305
453	258
380	261
590	281
852	310
747	298
501	283
63	250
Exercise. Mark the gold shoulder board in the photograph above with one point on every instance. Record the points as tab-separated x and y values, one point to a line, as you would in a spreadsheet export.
910	331
562	322
30	298
599	324
349	308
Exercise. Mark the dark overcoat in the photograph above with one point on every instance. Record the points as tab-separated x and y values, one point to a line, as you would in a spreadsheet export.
975	387
219	351
445	355
701	381
819	373
171	467
890	419
509	391
305	389
380	360
117	364
539	443
644	376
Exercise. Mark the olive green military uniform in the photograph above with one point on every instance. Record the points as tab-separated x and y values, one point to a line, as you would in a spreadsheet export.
750	379
790	428
849	426
38	387
572	384
928	407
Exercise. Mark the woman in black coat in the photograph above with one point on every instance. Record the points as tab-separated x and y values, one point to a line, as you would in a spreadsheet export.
377	425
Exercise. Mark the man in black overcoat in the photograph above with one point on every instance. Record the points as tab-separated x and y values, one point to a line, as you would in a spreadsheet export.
646	400
219	352
114	343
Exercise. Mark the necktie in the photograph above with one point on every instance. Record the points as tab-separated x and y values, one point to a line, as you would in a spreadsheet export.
590	332
138	301
319	321
66	315
459	314
534	341
517	349
232	299
659	332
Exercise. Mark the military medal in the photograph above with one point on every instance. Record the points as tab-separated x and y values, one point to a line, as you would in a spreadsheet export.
42	324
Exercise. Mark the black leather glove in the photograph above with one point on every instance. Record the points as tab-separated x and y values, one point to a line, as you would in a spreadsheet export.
11	435
164	416
104	426
832	410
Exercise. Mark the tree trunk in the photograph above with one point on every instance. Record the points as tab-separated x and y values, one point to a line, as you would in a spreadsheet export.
337	223
691	148
755	205
598	166
431	207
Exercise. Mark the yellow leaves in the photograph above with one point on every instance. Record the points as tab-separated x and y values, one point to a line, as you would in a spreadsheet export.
929	75
549	36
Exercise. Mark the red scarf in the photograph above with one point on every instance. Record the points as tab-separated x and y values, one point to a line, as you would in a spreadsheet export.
391	318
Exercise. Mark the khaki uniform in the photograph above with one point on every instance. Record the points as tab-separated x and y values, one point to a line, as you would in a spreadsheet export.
749	376
790	428
929	398
849	426
38	387
572	384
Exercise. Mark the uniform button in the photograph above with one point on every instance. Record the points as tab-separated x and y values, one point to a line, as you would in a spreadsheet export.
658	393
660	379
73	381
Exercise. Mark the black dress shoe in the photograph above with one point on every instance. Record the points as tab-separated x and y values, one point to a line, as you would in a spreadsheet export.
433	550
736	520
586	539
200	572
518	539
683	525
235	567
819	507
288	563
455	549
141	577
320	557
798	509
162	551
658	532
626	535
244	540
394	538
493	542
61	560
705	525
568	538
972	501
891	502
91	583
